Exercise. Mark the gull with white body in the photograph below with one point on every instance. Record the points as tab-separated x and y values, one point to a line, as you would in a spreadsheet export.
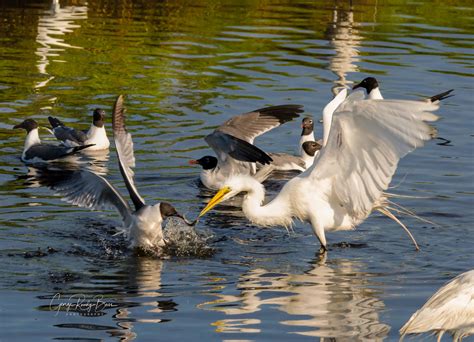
288	162
307	134
450	309
371	87
71	137
233	144
141	225
35	151
363	141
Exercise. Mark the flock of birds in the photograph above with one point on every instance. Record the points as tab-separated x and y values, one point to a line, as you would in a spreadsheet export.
343	177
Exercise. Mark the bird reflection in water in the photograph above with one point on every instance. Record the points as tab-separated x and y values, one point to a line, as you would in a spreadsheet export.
338	299
56	21
345	40
143	285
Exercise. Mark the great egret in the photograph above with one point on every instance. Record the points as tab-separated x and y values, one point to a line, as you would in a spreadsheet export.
233	144
35	151
362	145
450	309
71	137
141	226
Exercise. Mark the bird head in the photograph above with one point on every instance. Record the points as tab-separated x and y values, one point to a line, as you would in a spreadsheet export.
368	84
167	210
307	125
28	125
310	147
207	162
232	187
98	117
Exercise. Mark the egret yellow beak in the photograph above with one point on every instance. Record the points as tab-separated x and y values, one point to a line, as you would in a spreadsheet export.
215	200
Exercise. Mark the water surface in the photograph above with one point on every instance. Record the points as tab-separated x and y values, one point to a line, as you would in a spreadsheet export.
186	67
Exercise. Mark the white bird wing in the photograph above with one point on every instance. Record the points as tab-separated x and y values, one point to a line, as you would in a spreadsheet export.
124	146
86	189
451	307
366	141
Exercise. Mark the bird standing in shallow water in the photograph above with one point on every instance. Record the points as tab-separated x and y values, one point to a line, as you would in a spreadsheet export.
35	151
363	142
450	309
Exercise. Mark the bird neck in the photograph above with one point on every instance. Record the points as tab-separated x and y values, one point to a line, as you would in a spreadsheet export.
308	160
277	212
303	139
327	120
375	94
306	130
328	112
32	138
98	135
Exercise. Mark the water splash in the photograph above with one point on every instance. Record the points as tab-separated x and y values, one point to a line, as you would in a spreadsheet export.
185	241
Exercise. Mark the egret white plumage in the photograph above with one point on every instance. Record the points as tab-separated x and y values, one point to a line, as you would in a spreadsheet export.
308	147
364	140
141	226
72	137
450	309
233	144
35	151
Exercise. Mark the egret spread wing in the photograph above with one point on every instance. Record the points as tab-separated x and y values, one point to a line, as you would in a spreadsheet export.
86	189
366	140
250	125
124	146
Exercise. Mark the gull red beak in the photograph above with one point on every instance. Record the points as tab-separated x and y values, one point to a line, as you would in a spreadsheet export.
193	162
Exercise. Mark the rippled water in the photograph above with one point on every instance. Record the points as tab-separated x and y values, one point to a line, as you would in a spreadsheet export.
185	67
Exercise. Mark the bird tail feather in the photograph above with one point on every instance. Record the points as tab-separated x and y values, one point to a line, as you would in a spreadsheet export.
385	210
75	149
441	96
55	122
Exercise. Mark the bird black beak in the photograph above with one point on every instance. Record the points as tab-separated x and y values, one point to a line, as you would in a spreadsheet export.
356	86
18	126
